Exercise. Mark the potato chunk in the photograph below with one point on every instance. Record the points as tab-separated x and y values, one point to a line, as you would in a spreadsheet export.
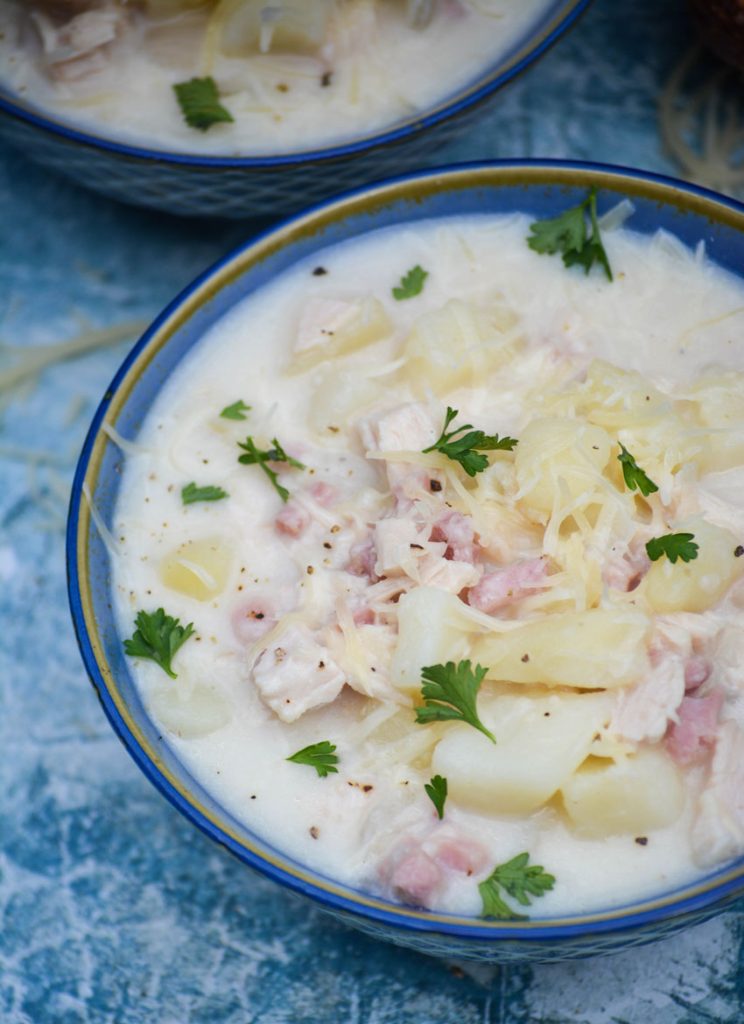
240	27
431	631
540	742
600	648
189	710
635	794
697	585
558	458
198	568
340	397
457	344
335	327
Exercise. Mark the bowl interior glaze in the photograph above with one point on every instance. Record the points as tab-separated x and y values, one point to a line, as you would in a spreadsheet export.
541	188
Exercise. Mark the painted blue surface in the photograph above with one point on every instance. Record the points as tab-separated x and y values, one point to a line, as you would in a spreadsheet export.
114	908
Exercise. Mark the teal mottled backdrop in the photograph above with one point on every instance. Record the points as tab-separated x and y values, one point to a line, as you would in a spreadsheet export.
114	909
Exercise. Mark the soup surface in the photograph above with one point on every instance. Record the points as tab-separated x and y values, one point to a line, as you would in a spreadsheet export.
530	626
275	78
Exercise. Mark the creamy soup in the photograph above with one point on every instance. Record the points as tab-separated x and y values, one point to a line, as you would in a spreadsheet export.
272	78
520	639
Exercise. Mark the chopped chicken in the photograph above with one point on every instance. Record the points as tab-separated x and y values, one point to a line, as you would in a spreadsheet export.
643	711
718	831
407	428
296	674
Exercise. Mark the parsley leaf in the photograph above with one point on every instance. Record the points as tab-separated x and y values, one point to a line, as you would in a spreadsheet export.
199	100
236	411
320	756
518	879
466	449
674	546
191	493
255	457
436	790
635	478
158	636
411	284
450	692
567	234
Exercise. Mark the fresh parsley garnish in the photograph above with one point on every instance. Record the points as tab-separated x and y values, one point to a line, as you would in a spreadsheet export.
450	692
255	457
567	234
199	99
236	411
518	879
436	790
674	546
158	637
467	448
191	493
411	284
634	476
320	756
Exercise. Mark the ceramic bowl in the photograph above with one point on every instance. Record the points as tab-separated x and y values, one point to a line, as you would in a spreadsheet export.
543	188
191	184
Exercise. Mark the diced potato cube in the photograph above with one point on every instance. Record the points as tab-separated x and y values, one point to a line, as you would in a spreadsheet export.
189	711
431	631
457	345
198	568
558	457
335	327
697	585
241	27
339	397
633	795
540	742
601	648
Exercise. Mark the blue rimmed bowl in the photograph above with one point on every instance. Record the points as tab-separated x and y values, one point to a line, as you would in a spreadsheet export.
543	188
195	185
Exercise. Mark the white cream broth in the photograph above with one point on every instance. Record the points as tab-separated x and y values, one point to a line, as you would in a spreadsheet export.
669	314
373	70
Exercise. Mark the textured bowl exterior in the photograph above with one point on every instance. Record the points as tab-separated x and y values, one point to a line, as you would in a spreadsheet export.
192	185
542	188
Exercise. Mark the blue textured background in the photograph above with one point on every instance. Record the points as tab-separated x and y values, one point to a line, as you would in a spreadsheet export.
113	908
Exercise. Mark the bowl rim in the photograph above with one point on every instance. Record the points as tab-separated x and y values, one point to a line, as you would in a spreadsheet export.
562	19
709	894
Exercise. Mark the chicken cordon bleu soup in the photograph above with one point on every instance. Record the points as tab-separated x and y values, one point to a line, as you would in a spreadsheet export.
249	77
428	560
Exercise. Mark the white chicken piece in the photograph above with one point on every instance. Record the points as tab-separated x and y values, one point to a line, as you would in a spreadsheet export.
643	711
75	49
727	662
296	674
400	543
448	574
407	428
718	830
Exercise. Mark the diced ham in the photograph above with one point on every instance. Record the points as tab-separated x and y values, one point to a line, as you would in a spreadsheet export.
643	711
463	855
456	530
499	589
325	494
252	619
416	879
694	733
292	520
718	830
296	674
697	672
362	557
